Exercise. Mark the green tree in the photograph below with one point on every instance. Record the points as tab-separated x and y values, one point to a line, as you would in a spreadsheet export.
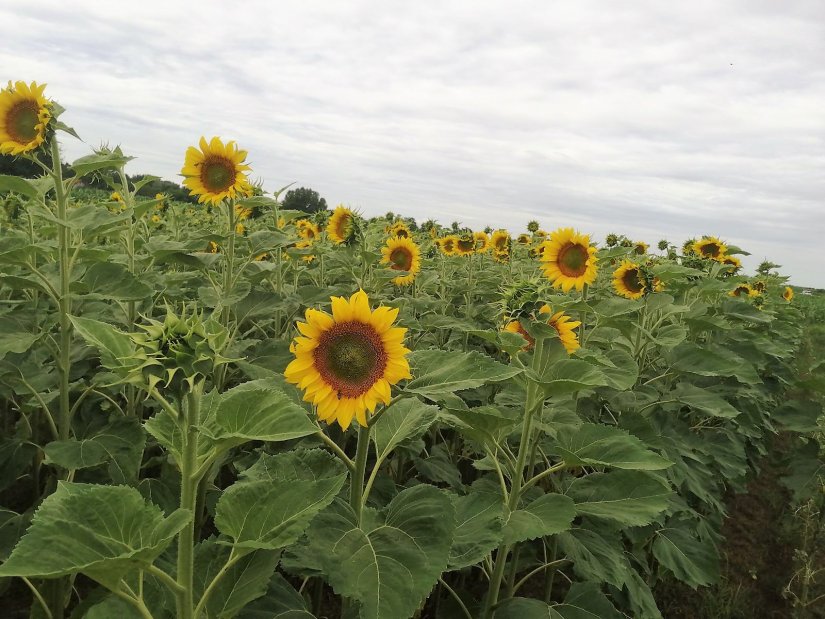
304	199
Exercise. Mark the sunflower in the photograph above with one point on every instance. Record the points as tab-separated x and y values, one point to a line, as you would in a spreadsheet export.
116	197
500	240
447	245
542	234
759	286
788	294
640	248
402	254
25	115
305	244
155	219
524	239
658	285
743	289
340	227
501	255
400	229
242	213
514	326
732	261
482	241
347	362
307	230
564	326
628	280
710	247
465	245
240	229
216	171
568	259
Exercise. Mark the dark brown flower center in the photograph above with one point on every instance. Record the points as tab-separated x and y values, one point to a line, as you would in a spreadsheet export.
501	242
351	358
217	174
466	245
572	260
448	245
710	249
401	259
401	233
341	226
740	290
22	121
631	282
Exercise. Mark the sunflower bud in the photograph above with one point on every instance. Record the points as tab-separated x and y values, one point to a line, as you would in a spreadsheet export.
180	350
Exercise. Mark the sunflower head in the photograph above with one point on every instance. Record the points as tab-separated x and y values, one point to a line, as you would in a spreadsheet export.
733	262
500	241
611	240
448	245
26	118
640	248
524	239
533	226
501	256
743	290
710	247
482	241
347	362
564	326
465	245
399	229
788	294
520	298
515	326
568	260
402	254
759	286
663	245
630	281
342	226
307	230
687	247
215	171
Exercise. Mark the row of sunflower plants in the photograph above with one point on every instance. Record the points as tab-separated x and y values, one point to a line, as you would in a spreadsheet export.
237	410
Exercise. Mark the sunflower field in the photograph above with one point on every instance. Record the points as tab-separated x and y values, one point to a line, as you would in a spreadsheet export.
229	409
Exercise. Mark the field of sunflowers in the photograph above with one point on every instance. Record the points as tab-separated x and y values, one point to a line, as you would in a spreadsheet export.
229	409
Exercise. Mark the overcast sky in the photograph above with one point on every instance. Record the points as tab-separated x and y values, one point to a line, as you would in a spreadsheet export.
652	119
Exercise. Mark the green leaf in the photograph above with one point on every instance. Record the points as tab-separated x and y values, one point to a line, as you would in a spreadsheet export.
245	581
116	348
799	415
301	464
100	161
712	361
272	513
406	420
440	371
101	531
478	518
693	561
584	600
597	444
16	458
569	376
526	608
19	185
596	557
547	515
13	338
280	602
258	411
631	498
120	442
391	562
109	280
704	400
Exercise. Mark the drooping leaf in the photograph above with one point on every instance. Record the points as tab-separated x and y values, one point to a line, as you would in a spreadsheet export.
116	347
478	519
631	498
547	515
693	561
101	531
712	361
704	400
281	601
597	444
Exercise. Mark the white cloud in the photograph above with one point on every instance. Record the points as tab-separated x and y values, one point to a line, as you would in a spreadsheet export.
650	119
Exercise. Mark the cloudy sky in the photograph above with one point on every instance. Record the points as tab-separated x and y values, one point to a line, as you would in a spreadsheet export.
648	118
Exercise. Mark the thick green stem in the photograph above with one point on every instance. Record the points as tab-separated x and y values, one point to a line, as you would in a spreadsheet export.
188	498
356	490
532	402
228	285
64	420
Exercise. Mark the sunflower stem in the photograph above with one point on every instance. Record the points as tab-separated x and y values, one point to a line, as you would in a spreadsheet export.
532	402
228	285
188	485
356	489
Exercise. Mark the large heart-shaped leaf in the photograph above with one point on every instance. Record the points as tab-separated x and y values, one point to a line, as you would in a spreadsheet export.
102	531
440	371
392	560
478	519
631	498
597	444
547	515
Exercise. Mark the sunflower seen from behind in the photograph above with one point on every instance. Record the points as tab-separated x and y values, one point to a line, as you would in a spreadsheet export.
25	118
568	260
402	254
628	280
215	171
347	362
